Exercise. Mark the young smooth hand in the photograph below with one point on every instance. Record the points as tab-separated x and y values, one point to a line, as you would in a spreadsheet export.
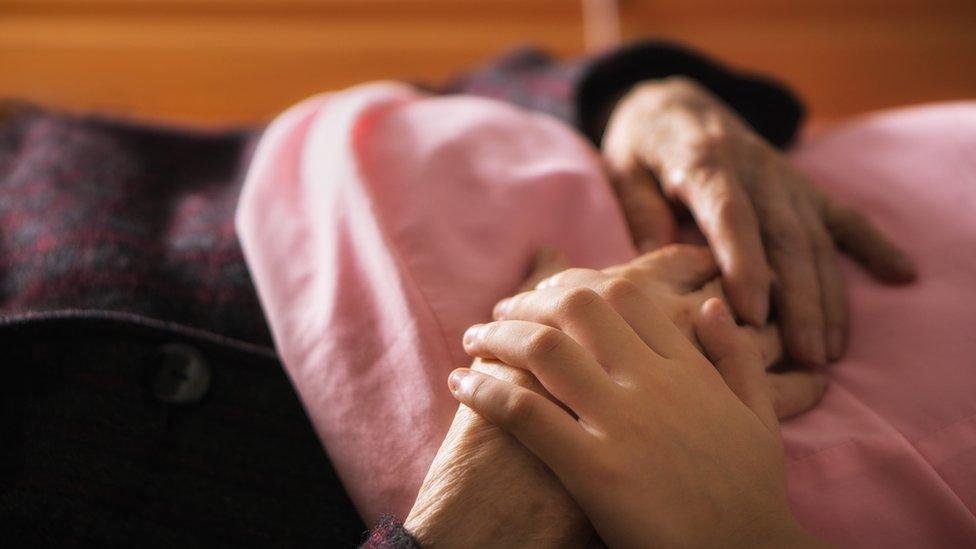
679	279
656	445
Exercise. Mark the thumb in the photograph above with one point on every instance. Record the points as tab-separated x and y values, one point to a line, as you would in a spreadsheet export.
737	358
547	262
647	212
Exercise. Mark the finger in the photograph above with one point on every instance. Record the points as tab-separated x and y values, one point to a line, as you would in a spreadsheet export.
684	267
795	392
832	296
646	210
770	344
725	214
737	359
541	426
644	317
563	367
766	338
855	234
583	315
546	263
796	291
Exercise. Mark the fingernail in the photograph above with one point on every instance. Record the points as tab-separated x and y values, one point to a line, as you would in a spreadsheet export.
760	306
812	347
456	379
471	334
835	343
460	382
502	307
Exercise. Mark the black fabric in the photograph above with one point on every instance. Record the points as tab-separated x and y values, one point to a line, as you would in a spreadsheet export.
768	106
92	458
389	533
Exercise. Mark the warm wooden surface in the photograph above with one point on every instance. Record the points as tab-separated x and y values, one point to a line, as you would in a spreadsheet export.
243	60
227	60
844	56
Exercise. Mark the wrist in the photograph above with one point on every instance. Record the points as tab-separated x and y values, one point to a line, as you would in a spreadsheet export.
648	95
485	488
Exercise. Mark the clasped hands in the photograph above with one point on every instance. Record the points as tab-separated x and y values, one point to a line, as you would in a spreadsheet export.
589	403
589	406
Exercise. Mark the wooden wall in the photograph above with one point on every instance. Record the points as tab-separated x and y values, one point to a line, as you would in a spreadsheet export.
231	61
844	56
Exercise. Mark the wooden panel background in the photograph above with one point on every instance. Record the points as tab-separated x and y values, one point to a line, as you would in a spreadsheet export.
229	61
843	56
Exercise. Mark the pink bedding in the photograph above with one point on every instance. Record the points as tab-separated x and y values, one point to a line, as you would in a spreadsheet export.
378	223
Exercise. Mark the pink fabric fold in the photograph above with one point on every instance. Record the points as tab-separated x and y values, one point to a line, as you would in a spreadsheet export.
378	223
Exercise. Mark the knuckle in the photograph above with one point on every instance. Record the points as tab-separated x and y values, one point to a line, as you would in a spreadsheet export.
729	211
704	145
561	277
575	301
703	160
786	236
543	342
477	390
682	83
519	408
520	377
618	289
718	135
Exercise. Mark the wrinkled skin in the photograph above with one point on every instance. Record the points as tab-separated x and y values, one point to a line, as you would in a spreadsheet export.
485	489
672	143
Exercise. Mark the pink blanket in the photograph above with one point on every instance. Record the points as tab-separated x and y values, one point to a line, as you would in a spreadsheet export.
378	223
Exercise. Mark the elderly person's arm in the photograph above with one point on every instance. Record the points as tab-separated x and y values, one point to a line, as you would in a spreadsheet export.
582	91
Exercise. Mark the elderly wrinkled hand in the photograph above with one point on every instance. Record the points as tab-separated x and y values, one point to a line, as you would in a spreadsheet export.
770	229
484	488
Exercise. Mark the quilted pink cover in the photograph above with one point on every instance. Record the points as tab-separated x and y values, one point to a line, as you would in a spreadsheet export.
378	223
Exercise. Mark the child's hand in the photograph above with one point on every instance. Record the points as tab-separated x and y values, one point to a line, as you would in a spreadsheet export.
657	445
679	279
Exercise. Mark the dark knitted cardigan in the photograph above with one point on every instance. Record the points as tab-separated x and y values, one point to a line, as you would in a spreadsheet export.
143	402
